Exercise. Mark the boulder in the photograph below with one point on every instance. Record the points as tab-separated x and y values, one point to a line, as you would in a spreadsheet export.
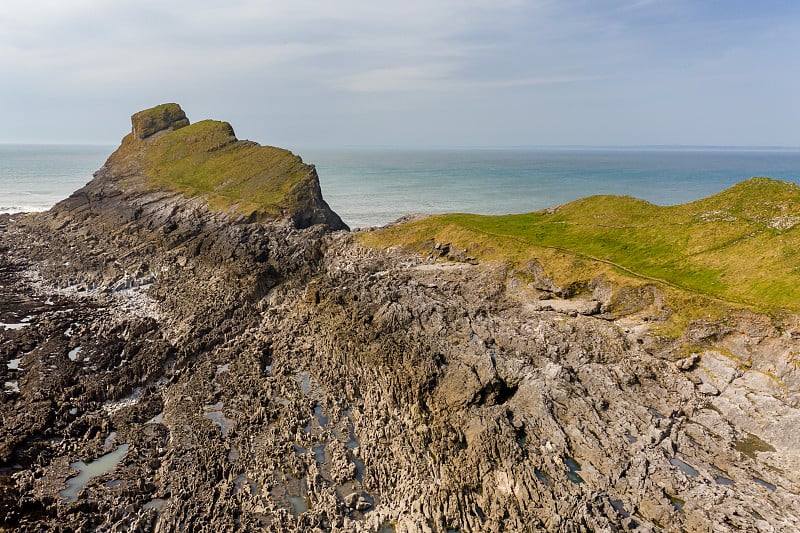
162	117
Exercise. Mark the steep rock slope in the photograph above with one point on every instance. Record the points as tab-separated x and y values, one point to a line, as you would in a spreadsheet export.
251	370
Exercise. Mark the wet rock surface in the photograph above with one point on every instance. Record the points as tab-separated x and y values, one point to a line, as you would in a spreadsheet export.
223	374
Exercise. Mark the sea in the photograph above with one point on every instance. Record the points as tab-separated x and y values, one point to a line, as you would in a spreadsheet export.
373	187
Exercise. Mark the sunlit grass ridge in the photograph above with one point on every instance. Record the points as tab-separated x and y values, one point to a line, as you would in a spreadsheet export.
206	160
740	246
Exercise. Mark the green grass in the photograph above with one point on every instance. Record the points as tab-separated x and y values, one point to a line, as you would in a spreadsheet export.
739	247
206	160
750	445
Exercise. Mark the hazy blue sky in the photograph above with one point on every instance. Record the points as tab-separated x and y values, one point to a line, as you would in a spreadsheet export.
408	73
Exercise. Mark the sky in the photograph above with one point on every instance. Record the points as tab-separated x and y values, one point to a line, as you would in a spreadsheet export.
414	73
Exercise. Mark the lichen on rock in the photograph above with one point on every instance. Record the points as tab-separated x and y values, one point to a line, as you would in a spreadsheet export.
162	117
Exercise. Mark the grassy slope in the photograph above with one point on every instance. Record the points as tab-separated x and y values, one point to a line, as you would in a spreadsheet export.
738	246
205	159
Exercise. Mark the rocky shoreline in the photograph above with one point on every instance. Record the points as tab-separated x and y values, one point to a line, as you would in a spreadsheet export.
223	372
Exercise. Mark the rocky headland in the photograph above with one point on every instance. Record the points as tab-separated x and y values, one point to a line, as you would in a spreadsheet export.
195	342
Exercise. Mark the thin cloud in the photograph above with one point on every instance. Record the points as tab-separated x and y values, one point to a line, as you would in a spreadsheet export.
432	77
439	78
639	4
527	82
338	67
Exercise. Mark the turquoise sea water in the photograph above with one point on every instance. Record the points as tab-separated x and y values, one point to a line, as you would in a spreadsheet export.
33	178
370	187
374	187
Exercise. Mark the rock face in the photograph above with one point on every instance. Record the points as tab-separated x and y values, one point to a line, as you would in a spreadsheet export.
276	375
166	116
166	162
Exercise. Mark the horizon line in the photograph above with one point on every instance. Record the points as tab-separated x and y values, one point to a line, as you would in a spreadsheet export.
392	147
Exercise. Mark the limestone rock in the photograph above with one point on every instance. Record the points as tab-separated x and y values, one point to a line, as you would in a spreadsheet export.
688	362
163	117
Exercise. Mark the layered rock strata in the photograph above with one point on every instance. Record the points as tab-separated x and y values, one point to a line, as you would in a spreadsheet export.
274	374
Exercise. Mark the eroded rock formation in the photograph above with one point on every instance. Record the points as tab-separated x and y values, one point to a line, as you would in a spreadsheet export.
275	374
160	118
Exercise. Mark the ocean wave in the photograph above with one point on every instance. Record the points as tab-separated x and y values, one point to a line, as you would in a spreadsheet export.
11	209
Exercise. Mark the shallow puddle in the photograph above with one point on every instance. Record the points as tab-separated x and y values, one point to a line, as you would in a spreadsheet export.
319	420
352	443
233	454
345	432
685	468
320	416
763	483
298	503
292	492
305	382
73	353
480	514
574	468
618	507
98	467
214	413
360	468
245	484
751	445
14	364
156	503
676	502
12	326
544	478
319	452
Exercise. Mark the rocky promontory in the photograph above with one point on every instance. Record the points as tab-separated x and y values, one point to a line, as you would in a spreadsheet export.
194	341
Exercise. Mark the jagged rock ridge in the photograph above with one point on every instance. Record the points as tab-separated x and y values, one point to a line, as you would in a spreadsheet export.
260	374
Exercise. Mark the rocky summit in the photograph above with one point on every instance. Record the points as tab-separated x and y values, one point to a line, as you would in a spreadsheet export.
195	342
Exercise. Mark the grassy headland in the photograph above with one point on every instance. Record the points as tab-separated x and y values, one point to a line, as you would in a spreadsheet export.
738	248
206	160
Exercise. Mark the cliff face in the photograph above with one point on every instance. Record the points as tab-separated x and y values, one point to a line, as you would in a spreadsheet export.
255	370
201	164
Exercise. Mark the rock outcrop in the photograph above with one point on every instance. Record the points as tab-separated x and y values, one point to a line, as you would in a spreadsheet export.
261	370
164	117
164	161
